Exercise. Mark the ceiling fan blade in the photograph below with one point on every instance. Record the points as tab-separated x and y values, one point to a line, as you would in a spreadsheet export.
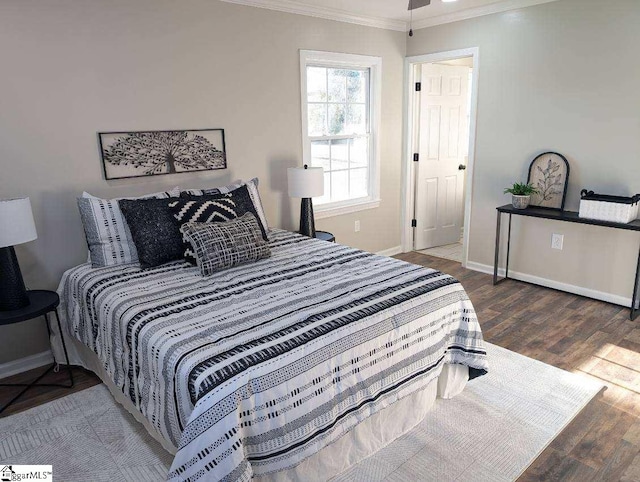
413	4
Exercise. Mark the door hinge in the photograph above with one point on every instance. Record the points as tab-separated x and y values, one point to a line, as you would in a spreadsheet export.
414	223
416	157
418	86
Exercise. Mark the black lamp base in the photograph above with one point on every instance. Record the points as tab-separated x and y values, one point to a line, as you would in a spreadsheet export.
13	294
307	223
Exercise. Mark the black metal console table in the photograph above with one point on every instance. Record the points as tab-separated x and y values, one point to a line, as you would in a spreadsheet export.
566	216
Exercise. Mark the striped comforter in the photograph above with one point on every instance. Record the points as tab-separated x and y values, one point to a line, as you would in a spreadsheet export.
255	369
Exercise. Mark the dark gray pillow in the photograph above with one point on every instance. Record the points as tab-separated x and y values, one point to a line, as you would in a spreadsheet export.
219	246
155	232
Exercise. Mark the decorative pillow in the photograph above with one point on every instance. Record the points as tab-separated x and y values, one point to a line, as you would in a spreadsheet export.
155	232
218	246
108	236
219	208
215	190
252	187
225	189
205	209
254	194
242	201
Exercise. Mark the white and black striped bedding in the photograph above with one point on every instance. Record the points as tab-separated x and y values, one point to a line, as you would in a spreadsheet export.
258	367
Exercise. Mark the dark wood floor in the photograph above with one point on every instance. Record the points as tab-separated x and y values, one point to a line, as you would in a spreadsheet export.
580	335
38	395
574	333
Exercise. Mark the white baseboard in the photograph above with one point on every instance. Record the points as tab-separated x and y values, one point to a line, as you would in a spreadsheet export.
25	364
391	251
576	290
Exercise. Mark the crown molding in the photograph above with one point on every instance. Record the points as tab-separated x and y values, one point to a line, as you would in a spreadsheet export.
498	7
292	6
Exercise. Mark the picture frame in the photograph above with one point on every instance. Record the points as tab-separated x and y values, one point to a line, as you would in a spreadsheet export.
152	153
549	174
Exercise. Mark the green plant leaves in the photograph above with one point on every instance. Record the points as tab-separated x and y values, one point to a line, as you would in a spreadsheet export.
521	189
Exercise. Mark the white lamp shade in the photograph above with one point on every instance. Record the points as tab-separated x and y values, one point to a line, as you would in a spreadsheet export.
306	183
16	222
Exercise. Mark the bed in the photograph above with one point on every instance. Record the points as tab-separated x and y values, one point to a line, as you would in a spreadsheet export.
294	367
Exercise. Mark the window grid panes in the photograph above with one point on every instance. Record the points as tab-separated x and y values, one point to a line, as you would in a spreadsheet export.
339	130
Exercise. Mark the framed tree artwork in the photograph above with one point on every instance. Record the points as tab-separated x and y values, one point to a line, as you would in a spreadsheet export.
549	174
151	153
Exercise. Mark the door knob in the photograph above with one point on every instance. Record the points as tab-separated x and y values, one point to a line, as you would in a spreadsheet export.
462	167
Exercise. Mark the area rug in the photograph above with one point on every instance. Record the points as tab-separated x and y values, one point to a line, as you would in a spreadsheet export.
493	431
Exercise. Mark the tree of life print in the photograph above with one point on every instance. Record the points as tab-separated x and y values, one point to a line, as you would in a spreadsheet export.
162	152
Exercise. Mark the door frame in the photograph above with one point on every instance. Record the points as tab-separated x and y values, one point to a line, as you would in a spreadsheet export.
408	165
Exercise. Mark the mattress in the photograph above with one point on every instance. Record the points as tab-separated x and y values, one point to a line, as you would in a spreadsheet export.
256	369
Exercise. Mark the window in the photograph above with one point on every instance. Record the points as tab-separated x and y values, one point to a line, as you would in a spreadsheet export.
340	119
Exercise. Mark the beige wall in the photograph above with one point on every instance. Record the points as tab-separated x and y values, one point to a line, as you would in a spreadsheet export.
555	77
71	68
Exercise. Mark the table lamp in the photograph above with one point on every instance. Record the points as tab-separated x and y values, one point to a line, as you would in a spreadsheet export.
306	182
16	227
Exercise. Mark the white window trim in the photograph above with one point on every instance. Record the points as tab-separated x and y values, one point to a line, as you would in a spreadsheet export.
351	206
374	64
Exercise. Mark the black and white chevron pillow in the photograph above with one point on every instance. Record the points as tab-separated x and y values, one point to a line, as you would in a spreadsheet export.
222	208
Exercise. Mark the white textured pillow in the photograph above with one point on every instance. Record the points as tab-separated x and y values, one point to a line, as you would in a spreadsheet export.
108	235
173	192
252	185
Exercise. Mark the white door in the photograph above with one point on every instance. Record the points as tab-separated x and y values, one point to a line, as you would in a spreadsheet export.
443	141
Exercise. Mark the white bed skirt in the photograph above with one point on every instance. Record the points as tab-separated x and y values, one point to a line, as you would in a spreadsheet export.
375	432
361	442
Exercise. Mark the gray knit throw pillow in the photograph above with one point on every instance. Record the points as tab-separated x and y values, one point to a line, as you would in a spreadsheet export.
221	245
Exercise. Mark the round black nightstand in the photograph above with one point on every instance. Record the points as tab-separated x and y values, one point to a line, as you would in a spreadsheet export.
325	236
41	303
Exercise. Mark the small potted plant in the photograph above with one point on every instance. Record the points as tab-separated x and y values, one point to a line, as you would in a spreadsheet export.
521	194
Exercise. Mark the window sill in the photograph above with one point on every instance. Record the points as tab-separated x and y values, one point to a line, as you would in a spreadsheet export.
330	211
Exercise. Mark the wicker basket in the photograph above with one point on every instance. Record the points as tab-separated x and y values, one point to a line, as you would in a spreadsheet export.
614	209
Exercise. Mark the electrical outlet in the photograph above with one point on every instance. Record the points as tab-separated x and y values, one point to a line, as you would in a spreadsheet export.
557	240
357	226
